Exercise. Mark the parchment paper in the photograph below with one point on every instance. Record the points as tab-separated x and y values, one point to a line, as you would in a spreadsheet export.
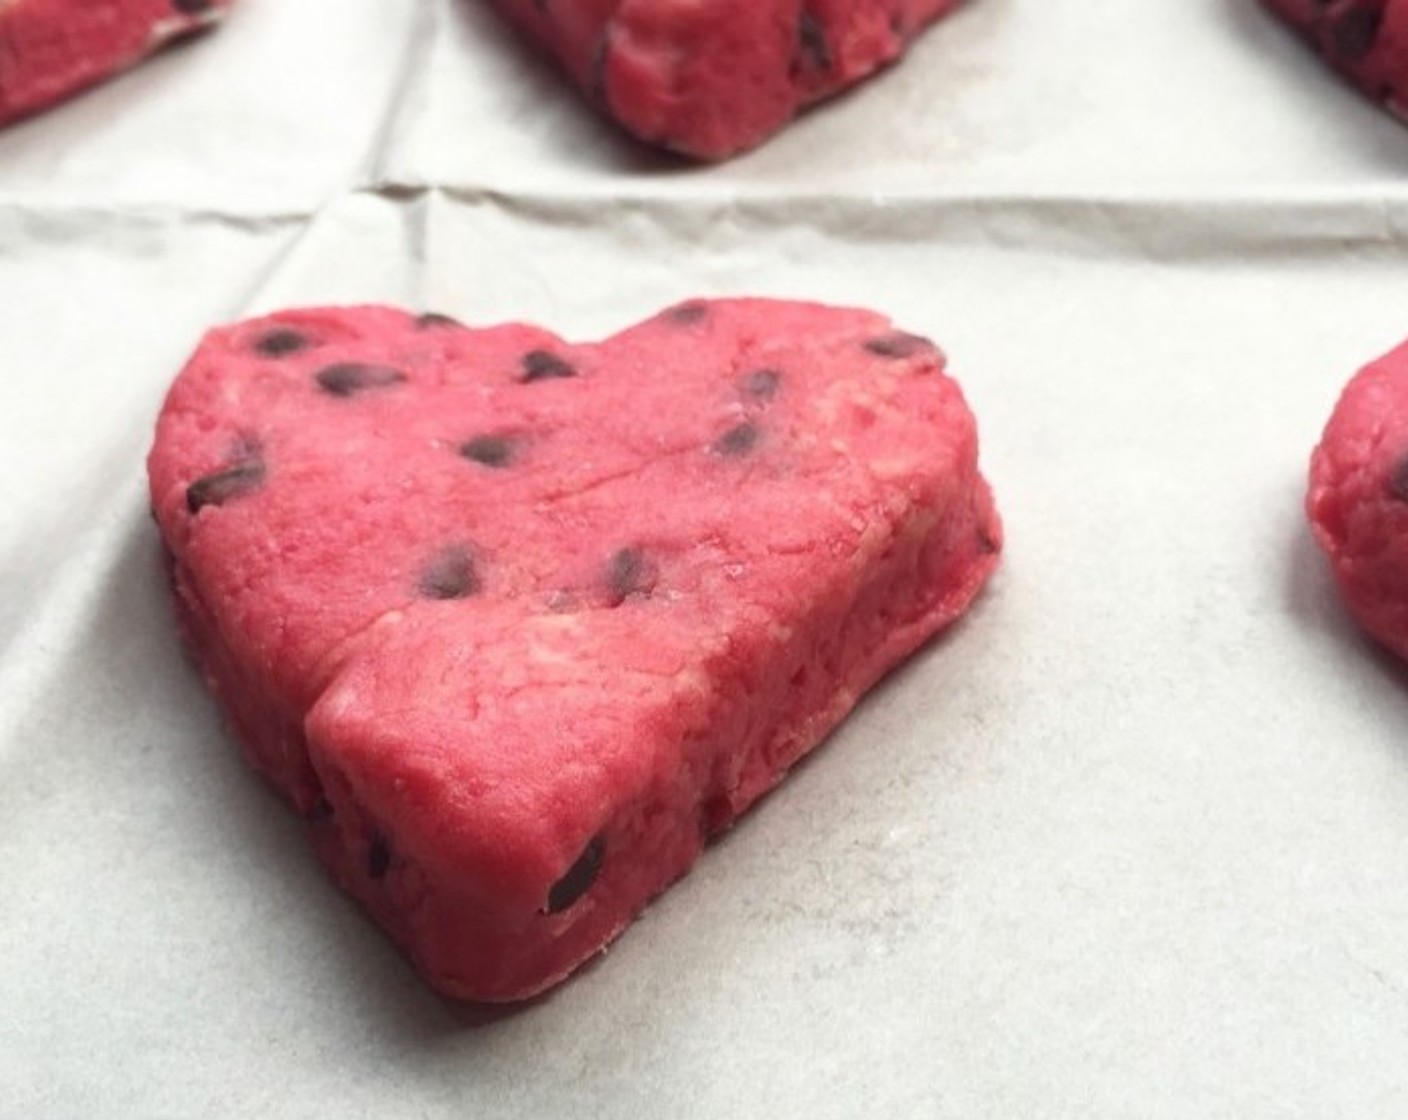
1131	841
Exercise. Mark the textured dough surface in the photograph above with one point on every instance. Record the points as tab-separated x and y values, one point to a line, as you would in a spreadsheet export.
517	624
1358	501
50	49
1366	40
710	78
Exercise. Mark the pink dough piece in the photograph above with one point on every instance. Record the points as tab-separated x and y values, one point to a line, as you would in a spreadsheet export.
1358	501
1366	40
517	624
50	49
710	78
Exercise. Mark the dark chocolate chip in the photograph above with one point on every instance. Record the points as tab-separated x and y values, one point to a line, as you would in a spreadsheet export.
378	856
738	440
433	320
987	543
347	379
761	384
813	50
543	365
1354	34
193	7
281	341
579	878
630	573
898	344
223	486
685	314
451	575
1398	480
491	451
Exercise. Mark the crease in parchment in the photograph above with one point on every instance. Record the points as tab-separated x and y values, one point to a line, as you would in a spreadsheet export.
410	88
1170	227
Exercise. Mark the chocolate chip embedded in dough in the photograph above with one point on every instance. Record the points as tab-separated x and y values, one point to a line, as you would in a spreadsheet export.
433	320
347	379
193	7
738	441
449	575
1398	479
761	384
281	341
813	48
490	451
687	314
898	344
224	486
579	878
544	365
1354	33
630	573
378	856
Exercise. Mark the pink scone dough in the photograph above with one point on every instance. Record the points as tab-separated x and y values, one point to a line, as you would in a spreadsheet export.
1366	40
1358	501
517	624
50	49
710	78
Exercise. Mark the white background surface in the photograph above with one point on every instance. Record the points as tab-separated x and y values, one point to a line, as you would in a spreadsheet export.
1132	840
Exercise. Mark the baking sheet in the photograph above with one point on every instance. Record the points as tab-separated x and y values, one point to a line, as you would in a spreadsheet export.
1131	840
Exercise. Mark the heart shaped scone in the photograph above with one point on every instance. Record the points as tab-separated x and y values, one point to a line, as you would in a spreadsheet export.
710	78
1366	40
518	624
50	49
1358	499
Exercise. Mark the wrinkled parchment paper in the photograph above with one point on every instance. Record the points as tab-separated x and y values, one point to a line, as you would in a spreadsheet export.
1132	840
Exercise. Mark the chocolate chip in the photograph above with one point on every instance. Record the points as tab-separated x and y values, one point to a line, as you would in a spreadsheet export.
813	51
898	344
1398	480
629	573
378	856
451	575
223	486
761	384
433	320
193	7
321	813
347	379
543	365
987	543
579	878
738	440
685	314
281	341
1355	32
491	451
